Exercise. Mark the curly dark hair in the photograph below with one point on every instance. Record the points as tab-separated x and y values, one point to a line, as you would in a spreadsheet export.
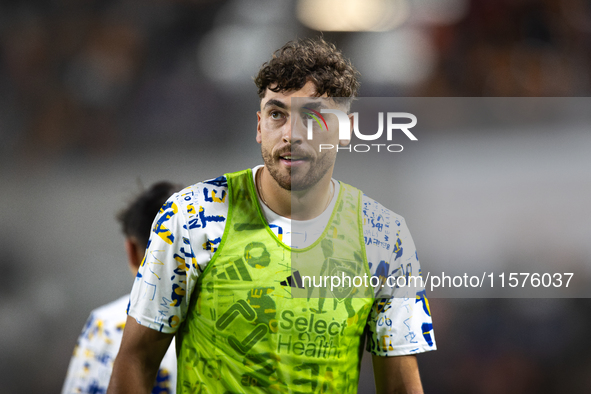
316	60
136	219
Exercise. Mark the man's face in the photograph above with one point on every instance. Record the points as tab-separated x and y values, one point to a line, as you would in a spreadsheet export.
292	160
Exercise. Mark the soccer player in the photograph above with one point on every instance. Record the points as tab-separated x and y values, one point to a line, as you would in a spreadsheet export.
224	268
92	362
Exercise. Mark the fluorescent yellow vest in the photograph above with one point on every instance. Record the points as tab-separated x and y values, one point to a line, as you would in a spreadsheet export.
256	325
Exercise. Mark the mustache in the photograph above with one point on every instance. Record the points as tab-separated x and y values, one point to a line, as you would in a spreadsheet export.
291	150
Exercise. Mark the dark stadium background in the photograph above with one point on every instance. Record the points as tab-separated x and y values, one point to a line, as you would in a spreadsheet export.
98	98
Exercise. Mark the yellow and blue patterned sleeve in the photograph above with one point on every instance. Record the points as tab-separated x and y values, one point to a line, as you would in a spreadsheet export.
159	295
184	237
400	321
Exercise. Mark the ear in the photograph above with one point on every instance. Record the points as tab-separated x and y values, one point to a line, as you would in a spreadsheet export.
259	127
135	255
351	122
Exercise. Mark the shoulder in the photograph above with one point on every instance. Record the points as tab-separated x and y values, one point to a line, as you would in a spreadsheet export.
195	218
372	208
198	204
385	235
211	192
376	216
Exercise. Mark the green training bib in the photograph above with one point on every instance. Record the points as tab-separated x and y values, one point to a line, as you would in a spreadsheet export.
257	324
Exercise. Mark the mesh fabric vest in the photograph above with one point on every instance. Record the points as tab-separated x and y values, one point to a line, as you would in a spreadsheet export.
255	324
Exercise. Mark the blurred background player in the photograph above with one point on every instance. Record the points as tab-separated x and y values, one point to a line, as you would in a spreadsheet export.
92	362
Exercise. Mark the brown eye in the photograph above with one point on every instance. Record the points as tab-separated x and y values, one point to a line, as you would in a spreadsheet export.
275	115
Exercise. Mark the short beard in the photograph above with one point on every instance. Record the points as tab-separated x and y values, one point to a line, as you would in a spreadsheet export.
317	171
283	182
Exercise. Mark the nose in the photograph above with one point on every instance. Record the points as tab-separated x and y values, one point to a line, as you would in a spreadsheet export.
294	131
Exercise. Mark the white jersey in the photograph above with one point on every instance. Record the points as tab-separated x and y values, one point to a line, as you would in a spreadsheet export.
92	362
189	228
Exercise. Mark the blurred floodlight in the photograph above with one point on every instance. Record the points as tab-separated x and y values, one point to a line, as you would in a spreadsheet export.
352	15
405	56
232	55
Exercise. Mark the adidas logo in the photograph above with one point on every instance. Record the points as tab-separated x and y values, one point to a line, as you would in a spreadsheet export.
236	271
294	280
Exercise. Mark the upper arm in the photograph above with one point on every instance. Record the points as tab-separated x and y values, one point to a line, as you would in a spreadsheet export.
399	325
138	360
143	343
399	374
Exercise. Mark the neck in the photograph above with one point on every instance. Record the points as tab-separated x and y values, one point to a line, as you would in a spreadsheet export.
297	205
